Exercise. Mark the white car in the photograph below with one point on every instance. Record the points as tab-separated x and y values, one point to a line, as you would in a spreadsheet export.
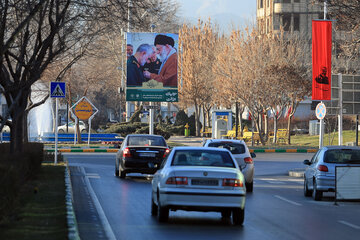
241	153
199	179
71	127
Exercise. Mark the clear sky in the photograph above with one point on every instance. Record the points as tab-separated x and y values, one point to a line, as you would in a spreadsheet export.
223	12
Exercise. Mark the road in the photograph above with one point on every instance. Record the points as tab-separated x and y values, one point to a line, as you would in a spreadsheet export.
107	207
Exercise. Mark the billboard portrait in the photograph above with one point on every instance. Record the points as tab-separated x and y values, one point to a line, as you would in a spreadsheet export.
321	59
152	64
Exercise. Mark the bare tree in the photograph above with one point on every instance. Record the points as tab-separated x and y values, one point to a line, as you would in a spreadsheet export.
33	34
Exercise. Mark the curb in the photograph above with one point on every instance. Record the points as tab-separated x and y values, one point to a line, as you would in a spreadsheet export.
283	150
73	231
87	150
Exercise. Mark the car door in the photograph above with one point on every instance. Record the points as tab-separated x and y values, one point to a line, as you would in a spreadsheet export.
310	172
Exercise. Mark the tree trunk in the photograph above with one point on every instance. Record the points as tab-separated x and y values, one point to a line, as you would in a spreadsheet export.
204	120
236	119
197	119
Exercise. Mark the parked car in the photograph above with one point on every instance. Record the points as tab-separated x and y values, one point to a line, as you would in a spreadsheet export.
241	153
71	127
140	153
199	179
319	176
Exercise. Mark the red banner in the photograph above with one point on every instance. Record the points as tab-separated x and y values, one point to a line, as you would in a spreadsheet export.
321	59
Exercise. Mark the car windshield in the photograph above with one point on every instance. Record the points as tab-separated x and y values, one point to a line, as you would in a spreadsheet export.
202	158
234	148
146	141
342	156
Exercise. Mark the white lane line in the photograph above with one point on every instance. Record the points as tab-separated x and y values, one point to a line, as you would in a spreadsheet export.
92	175
107	228
287	200
275	182
349	224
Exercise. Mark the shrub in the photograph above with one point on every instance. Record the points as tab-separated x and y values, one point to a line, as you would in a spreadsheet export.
181	118
15	170
125	128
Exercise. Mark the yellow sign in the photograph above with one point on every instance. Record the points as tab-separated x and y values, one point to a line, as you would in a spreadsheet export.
83	110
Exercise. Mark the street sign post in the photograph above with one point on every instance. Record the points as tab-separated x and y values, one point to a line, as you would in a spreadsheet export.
320	113
83	110
57	90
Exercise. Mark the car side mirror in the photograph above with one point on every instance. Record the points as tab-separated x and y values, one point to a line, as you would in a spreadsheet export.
253	155
307	162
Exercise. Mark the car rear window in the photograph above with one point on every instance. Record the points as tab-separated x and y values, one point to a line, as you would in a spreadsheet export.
202	158
146	141
342	156
234	148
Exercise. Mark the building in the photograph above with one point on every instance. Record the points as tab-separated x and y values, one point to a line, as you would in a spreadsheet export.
292	15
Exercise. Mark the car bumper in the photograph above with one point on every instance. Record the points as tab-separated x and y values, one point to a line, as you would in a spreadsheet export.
325	183
201	200
141	166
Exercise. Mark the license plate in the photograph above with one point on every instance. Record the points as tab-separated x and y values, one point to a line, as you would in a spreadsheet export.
146	154
205	182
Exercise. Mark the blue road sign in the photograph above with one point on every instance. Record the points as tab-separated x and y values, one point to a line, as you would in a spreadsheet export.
57	89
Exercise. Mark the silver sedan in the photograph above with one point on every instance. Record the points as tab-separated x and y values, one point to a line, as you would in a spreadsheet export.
319	176
199	179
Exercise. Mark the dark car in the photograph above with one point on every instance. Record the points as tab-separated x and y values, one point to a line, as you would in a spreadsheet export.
140	153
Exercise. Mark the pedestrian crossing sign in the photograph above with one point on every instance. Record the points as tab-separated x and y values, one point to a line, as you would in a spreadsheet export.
57	89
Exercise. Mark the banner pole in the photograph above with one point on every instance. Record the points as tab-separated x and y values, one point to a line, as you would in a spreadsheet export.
321	134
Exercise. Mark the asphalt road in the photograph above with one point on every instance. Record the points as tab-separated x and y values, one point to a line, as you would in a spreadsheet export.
107	207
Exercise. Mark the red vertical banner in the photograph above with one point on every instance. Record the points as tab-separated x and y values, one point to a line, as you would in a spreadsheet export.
321	59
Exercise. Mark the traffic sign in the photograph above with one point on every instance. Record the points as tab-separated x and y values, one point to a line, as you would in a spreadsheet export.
83	110
151	107
57	89
320	111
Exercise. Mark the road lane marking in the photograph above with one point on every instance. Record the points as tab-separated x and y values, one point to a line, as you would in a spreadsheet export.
275	182
349	224
106	225
92	175
287	200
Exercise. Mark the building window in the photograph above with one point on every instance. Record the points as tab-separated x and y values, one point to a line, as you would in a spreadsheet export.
296	1
261	3
296	22
286	22
286	1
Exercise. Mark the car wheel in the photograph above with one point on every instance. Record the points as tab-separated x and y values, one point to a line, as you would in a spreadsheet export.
316	194
163	212
249	186
122	174
226	214
83	131
154	208
307	192
238	215
61	131
116	171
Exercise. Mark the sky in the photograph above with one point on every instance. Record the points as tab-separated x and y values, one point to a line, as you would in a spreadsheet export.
223	12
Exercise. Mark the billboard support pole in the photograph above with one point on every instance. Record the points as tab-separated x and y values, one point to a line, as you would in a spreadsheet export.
340	116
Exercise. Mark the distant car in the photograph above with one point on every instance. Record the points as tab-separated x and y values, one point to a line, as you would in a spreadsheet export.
71	127
241	153
140	153
199	179
319	176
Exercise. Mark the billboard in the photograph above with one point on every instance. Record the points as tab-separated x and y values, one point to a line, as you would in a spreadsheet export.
151	74
321	59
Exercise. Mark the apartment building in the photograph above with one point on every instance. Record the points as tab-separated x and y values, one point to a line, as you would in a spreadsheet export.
291	15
